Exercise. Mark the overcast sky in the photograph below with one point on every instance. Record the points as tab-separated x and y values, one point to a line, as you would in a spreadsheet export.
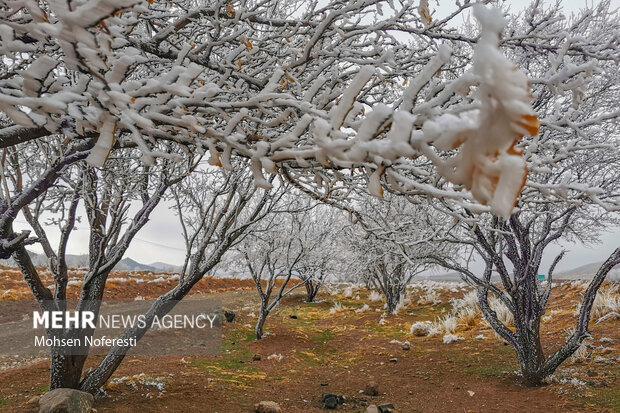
161	240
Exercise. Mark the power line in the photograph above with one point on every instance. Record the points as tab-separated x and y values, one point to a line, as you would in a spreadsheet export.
159	245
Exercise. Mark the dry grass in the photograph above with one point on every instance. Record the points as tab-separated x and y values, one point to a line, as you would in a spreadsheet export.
503	313
430	298
606	302
375	296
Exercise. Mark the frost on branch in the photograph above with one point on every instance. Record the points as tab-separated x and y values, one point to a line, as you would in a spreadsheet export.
331	100
485	135
488	162
425	12
99	154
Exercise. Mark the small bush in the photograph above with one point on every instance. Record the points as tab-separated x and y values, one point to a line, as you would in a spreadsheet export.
468	301
431	297
337	307
420	328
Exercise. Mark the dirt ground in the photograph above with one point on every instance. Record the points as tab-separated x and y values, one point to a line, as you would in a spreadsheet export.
333	348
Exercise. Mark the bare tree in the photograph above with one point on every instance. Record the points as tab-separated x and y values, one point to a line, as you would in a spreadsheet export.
569	194
272	254
106	196
389	236
513	249
232	205
321	240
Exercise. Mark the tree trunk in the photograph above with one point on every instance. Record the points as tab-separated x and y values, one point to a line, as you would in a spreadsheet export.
311	290
390	302
528	346
260	323
532	378
393	295
525	340
162	306
531	357
65	370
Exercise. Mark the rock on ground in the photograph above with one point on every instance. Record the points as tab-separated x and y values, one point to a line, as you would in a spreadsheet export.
371	389
66	401
387	408
268	407
331	401
34	400
229	316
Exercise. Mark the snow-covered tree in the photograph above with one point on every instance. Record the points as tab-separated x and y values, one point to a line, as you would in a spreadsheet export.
269	260
386	241
107	196
571	192
322	94
279	252
229	205
292	84
321	239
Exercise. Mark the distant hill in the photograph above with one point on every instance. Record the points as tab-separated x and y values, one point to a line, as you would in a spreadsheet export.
165	267
40	260
586	272
447	277
127	264
81	261
583	272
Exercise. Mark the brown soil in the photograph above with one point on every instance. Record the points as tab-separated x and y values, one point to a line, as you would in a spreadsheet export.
341	353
